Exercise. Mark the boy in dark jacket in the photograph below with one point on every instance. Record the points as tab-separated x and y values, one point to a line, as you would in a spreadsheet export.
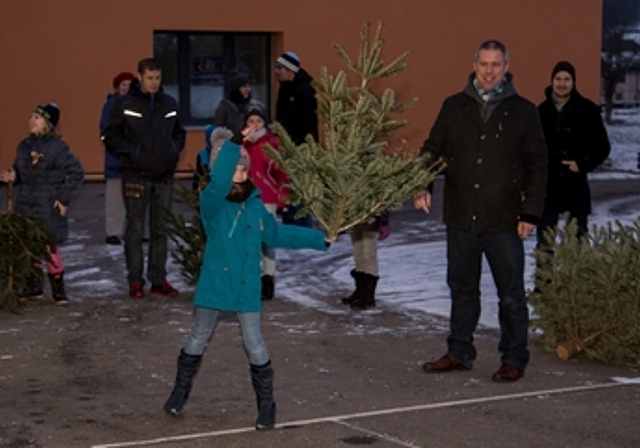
145	129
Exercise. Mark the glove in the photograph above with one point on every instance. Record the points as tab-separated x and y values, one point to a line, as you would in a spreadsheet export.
218	137
383	228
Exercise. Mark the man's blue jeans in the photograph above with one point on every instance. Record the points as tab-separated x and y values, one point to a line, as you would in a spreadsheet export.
505	255
205	324
140	195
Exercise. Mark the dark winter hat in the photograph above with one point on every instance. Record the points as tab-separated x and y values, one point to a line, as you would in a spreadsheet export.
564	66
290	60
207	133
256	109
124	76
237	80
50	112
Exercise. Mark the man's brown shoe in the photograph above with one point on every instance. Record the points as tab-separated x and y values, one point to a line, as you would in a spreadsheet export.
507	373
444	364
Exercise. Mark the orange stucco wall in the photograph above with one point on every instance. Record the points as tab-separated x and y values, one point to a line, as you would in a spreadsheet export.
68	51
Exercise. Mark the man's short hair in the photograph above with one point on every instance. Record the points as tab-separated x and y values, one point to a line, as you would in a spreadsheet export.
148	64
493	44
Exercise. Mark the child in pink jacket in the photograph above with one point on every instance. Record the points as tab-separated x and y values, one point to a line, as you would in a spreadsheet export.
268	178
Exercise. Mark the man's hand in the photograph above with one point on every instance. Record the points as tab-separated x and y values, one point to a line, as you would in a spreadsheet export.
572	165
7	175
61	208
525	229
422	200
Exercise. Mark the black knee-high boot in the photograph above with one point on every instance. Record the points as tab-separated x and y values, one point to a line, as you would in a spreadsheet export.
367	297
358	277
57	289
188	366
262	380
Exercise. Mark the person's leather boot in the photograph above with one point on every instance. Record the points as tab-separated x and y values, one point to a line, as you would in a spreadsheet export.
188	366
507	373
357	277
262	381
445	364
57	289
367	297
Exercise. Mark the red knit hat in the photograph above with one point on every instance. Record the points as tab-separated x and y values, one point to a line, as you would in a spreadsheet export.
124	76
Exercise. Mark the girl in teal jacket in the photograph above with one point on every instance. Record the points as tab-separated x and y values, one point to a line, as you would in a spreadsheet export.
236	224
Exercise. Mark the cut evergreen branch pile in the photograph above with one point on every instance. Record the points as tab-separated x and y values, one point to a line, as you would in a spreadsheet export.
187	234
23	241
588	297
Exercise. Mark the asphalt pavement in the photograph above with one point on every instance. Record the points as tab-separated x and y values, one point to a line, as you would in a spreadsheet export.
96	374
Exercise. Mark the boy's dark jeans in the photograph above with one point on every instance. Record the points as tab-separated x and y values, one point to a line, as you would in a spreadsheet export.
140	195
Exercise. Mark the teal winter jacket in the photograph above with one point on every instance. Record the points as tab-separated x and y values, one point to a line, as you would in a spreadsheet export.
230	275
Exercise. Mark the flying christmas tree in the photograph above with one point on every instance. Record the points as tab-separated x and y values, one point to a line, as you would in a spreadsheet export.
351	175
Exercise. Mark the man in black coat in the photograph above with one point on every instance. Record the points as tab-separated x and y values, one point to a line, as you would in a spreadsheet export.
577	141
492	142
145	129
296	111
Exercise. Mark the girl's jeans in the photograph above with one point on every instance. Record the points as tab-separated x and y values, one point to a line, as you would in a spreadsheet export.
205	325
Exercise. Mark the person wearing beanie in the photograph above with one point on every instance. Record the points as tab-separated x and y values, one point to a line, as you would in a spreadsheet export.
113	203
577	144
44	164
230	112
269	179
236	224
296	111
145	129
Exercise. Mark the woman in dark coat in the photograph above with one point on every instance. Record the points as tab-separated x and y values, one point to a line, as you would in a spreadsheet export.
231	111
48	175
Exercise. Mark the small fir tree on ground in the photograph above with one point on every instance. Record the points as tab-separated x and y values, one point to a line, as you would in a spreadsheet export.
23	241
187	234
587	296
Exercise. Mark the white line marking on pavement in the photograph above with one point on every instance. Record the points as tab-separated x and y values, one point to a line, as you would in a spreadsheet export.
387	437
341	418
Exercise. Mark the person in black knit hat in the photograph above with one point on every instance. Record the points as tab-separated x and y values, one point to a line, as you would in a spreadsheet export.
296	111
577	144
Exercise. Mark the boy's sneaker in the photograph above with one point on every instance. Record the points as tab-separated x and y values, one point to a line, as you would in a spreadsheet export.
136	291
164	289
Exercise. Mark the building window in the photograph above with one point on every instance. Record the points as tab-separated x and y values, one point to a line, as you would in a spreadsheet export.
197	66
